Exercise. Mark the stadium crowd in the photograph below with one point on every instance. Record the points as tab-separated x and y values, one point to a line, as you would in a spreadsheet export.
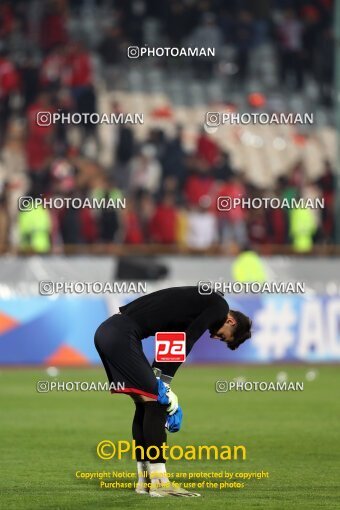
45	65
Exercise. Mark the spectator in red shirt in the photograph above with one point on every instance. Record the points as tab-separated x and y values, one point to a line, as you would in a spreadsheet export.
40	138
199	183
9	85
79	66
6	19
207	149
79	77
53	26
133	233
38	124
163	225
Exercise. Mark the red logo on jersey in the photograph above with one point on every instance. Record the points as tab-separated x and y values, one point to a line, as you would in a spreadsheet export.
170	346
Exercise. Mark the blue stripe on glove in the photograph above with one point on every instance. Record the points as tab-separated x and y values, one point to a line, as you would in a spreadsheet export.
162	393
173	423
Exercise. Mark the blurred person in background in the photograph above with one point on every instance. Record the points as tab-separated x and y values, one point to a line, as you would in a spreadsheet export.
244	38
124	152
325	57
206	35
163	224
80	79
69	221
13	176
4	221
69	217
89	230
53	24
7	19
131	17
199	181
207	149
66	219
182	225
327	186
30	70
72	224
174	158
146	170
302	228
40	142
108	218
146	207
288	189
176	20
35	228
310	38
201	226
132	231
289	186
311	190
9	86
248	266
276	218
258	232
223	170
156	137
110	51
278	226
231	221
54	71
289	34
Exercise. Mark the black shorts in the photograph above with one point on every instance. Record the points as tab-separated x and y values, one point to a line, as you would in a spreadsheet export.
119	345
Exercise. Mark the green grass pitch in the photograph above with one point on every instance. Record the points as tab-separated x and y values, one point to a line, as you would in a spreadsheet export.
46	438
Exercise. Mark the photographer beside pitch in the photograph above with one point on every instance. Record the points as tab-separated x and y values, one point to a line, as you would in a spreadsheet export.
118	342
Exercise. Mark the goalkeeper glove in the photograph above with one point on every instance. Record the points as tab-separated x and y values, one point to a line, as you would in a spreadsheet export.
173	423
173	401
167	397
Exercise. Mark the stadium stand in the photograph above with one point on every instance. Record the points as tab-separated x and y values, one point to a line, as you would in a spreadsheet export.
71	56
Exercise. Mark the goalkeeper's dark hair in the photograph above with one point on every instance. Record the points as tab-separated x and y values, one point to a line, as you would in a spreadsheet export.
242	330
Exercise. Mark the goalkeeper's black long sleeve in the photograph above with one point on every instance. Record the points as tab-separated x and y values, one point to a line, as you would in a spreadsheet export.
178	309
194	333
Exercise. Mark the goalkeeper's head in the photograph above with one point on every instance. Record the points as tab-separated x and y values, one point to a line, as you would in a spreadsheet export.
235	330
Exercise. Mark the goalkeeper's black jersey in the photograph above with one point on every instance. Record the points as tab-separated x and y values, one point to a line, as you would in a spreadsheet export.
178	309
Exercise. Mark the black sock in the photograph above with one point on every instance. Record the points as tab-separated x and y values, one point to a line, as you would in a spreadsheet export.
137	429
154	428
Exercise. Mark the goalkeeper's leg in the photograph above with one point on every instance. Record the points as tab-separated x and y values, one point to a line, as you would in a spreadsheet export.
148	430
138	435
153	434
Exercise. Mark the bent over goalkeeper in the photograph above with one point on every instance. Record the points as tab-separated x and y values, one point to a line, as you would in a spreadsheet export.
118	342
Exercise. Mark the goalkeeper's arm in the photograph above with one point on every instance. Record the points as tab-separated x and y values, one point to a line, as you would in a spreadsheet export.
193	333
